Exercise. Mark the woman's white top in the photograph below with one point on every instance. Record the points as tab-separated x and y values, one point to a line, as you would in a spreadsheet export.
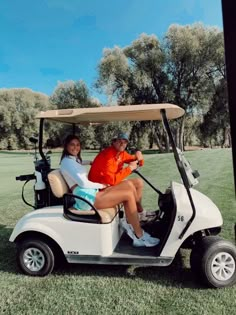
75	173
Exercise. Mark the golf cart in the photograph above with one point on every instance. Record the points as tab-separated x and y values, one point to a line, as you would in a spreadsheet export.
187	218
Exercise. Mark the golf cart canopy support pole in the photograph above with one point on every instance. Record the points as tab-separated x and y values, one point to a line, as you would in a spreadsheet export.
147	181
181	171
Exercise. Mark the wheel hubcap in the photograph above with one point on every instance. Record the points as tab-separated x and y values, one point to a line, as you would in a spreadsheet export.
223	266
33	259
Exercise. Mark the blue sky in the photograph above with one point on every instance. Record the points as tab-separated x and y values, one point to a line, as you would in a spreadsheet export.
46	41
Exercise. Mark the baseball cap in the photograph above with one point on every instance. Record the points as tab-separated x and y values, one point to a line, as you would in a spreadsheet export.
121	135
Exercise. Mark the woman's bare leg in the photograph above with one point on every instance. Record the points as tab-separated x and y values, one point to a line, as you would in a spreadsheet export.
114	195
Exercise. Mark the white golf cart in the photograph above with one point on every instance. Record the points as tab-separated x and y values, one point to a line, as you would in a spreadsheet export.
187	218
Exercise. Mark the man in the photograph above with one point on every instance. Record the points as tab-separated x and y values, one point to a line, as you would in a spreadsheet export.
108	168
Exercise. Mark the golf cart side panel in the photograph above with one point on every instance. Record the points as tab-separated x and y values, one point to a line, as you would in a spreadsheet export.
206	210
39	221
207	216
71	236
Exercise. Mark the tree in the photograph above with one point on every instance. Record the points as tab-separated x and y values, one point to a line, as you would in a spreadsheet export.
150	84
105	132
183	69
215	128
147	63
135	75
191	54
18	108
72	94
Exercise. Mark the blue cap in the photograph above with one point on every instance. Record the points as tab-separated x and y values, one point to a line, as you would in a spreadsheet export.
121	135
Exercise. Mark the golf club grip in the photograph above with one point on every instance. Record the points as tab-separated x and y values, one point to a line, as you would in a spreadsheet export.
25	177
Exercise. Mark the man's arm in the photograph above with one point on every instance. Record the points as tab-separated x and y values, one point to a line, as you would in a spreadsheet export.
136	157
110	175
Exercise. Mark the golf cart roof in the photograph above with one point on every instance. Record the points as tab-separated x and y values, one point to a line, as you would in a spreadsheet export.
112	113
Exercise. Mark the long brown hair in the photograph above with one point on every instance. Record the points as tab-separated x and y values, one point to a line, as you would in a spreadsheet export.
67	140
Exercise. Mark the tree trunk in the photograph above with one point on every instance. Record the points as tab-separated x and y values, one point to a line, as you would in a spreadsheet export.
157	140
167	142
226	138
151	136
176	136
150	141
230	140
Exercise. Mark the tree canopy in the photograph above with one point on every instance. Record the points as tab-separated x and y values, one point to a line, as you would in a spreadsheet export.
186	67
18	108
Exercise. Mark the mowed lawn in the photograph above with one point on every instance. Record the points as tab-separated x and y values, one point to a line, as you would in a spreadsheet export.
91	289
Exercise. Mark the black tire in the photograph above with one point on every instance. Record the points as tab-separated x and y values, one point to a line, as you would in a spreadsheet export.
35	257
213	261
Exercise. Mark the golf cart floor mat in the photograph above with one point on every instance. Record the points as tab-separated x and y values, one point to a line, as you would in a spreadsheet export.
126	249
156	229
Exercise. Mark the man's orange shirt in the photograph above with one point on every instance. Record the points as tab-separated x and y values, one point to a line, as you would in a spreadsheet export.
107	167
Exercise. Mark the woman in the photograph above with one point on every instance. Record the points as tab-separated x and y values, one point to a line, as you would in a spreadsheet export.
100	195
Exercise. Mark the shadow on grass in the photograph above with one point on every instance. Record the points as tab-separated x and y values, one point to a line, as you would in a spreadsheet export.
7	251
176	275
151	151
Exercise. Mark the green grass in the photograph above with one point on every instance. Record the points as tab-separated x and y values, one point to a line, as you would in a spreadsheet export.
91	289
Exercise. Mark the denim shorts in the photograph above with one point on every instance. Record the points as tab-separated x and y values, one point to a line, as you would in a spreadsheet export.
86	193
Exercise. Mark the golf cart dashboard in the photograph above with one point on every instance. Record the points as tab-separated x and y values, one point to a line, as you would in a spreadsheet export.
186	167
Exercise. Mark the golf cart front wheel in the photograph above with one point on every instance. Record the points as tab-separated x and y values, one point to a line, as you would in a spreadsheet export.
214	260
35	258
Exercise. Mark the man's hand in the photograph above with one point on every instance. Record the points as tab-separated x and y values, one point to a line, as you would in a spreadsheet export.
133	165
139	155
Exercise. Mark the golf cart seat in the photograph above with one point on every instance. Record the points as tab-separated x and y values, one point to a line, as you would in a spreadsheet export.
59	188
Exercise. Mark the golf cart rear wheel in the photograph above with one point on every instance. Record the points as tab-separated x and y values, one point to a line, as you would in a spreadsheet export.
214	261
35	257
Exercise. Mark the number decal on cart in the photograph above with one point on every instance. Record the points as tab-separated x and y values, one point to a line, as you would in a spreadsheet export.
181	218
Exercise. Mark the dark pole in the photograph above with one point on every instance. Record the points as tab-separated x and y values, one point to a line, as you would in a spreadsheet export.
229	24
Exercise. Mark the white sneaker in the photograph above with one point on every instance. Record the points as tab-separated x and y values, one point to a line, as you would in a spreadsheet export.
147	216
146	240
127	227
